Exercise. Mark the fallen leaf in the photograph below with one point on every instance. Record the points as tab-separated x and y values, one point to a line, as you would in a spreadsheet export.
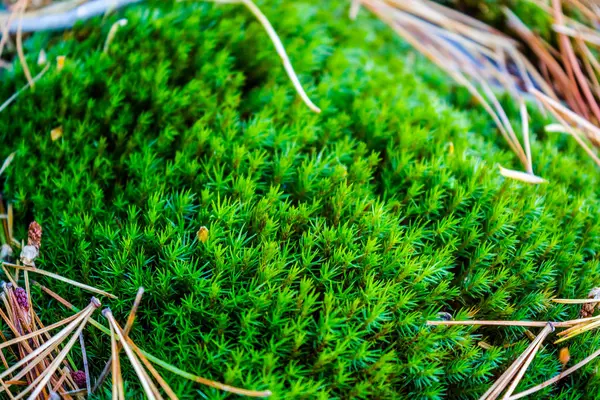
202	234
56	133
60	62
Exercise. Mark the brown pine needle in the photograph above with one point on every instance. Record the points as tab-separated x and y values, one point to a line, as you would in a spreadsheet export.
287	65
7	162
117	379
40	331
549	382
204	381
540	339
61	278
165	386
576	301
128	326
135	363
45	378
20	52
578	331
70	306
540	324
34	357
514	370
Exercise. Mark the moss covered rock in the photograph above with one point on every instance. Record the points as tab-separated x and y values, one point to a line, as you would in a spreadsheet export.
332	237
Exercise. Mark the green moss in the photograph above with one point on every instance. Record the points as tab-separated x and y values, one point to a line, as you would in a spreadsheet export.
333	237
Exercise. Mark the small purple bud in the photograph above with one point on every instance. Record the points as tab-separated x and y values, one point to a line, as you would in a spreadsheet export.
21	296
79	378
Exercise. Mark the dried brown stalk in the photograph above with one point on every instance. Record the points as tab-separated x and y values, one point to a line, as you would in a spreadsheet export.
476	56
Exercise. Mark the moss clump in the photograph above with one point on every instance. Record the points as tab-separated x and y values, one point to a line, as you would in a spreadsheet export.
333	237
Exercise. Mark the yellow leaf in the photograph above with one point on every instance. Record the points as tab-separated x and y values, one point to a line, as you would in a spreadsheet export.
60	62
203	234
56	133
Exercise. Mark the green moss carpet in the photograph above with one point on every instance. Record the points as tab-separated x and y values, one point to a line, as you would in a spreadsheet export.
333	237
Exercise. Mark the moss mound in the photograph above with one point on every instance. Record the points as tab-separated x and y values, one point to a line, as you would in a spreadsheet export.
332	237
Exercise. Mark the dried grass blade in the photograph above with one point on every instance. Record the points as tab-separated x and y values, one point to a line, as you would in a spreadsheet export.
61	278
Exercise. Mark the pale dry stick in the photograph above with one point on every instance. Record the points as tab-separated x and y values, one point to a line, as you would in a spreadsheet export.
578	326
18	92
60	382
466	42
9	276
500	384
117	379
61	278
578	330
287	65
7	162
574	33
5	31
153	370
531	324
354	9
27	290
70	306
128	326
545	332
130	354
575	301
441	18
40	331
20	44
204	381
58	17
504	118
58	360
6	389
521	176
85	364
458	16
525	123
563	374
146	377
112	32
585	10
39	353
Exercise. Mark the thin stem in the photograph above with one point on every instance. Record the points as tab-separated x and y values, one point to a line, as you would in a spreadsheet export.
85	364
207	382
279	48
